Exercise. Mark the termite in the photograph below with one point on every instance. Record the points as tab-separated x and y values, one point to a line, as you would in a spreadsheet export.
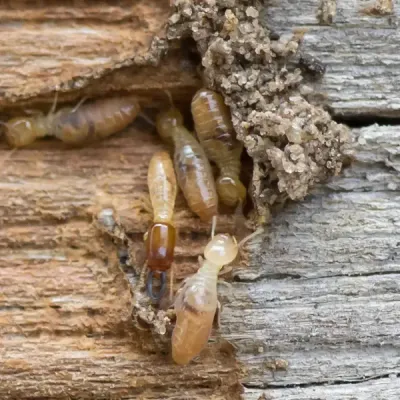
96	120
193	170
196	302
161	236
216	134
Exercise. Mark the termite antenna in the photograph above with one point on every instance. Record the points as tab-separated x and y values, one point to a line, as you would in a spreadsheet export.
149	285
54	105
171	100
79	104
7	156
213	226
147	119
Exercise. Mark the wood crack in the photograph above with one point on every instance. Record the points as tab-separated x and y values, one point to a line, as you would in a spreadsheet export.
324	383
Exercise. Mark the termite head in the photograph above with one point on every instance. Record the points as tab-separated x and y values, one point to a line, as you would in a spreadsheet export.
160	245
221	250
167	121
23	131
231	191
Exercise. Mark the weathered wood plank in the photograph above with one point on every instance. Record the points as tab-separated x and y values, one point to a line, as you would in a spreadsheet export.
381	389
321	291
322	288
358	49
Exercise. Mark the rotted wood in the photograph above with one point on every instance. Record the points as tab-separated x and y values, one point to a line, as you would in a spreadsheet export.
87	48
356	41
65	306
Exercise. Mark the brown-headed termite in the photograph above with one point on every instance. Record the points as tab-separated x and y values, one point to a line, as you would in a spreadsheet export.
77	125
193	170
216	134
161	236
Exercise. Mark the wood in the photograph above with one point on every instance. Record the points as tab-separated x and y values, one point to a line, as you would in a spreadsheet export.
358	48
321	298
322	289
387	388
87	48
314	315
65	324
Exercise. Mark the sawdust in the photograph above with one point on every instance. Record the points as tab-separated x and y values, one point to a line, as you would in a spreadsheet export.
294	144
380	8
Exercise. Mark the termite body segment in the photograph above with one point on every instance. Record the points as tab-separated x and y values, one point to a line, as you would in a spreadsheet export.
93	121
23	131
193	170
96	120
161	235
216	134
196	303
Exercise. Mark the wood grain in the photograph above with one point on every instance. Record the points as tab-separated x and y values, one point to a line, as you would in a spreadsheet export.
86	48
65	305
322	289
358	49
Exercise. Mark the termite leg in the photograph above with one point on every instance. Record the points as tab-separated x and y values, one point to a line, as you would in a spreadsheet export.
217	316
227	284
149	285
213	226
257	232
7	156
33	112
171	283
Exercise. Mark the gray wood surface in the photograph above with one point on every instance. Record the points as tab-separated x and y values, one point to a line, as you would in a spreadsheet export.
360	52
322	291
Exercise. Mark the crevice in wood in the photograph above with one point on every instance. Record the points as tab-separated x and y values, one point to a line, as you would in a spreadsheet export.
323	383
271	277
363	121
279	277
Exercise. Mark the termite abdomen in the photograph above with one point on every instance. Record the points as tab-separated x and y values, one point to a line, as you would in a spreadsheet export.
216	134
162	186
96	120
